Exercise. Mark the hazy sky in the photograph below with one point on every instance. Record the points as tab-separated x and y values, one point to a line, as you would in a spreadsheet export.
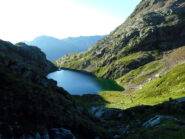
26	19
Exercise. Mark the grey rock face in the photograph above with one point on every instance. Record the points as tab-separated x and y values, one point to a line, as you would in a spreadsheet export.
27	61
22	56
152	2
34	54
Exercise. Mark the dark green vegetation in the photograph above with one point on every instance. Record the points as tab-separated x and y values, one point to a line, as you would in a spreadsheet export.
30	103
27	108
109	85
146	56
55	48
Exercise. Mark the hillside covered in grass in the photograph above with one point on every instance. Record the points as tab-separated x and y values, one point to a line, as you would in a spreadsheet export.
155	28
145	55
156	108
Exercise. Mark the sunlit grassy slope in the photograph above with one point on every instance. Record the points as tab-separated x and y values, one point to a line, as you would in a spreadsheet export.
170	86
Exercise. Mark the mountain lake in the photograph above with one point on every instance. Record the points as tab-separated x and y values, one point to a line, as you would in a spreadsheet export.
79	83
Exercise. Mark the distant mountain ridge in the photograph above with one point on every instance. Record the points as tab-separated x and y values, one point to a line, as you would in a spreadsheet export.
55	48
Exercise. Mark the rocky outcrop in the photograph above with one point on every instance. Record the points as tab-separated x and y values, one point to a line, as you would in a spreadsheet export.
156	26
27	61
21	57
55	133
156	120
105	113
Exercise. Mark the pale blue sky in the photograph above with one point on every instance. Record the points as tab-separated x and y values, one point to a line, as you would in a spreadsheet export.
117	8
26	19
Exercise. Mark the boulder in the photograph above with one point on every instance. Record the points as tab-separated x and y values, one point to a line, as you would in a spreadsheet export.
61	133
105	113
156	120
97	111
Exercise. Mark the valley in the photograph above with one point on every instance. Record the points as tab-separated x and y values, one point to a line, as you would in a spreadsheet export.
129	85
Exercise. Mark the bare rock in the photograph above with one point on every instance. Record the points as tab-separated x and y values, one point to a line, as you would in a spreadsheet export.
156	120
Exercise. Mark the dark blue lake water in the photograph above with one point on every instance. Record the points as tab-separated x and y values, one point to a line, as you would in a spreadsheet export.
79	83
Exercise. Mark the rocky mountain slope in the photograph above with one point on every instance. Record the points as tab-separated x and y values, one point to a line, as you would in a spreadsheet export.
155	28
55	48
21	55
155	109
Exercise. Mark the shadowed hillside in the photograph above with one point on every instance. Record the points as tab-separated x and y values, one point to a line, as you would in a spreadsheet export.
33	106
